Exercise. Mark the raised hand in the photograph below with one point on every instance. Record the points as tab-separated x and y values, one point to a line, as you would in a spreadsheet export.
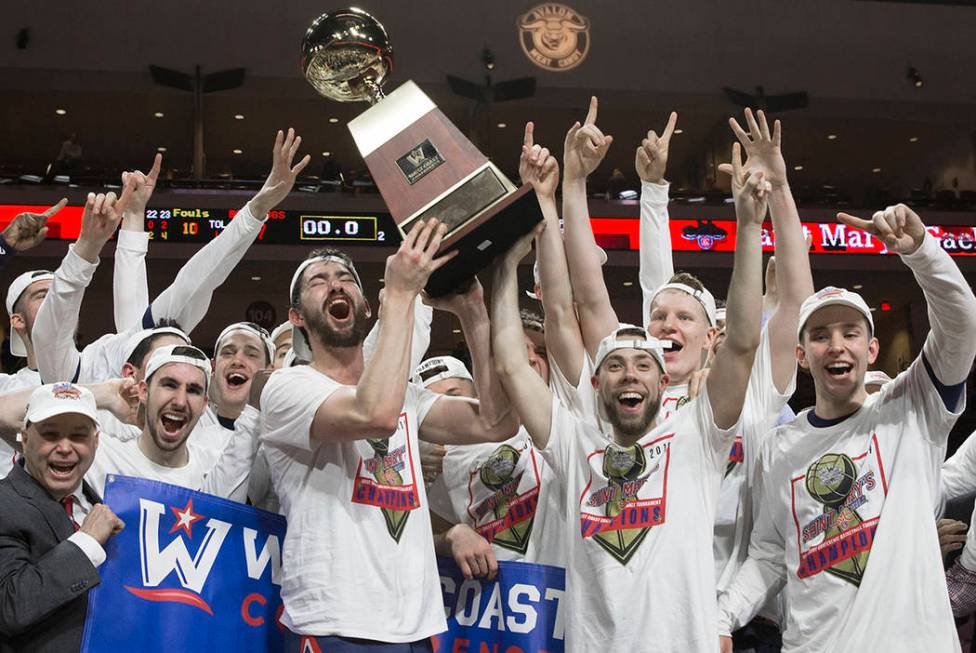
537	166
457	303
763	150
100	219
143	187
585	145
522	247
101	523
28	230
749	188
651	160
898	227
408	270
282	177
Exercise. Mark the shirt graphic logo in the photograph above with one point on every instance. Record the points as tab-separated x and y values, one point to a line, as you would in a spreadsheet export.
626	496
391	484
503	495
838	527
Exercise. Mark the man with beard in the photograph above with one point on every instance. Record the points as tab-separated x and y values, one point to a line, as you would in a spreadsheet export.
639	508
341	436
850	487
171	397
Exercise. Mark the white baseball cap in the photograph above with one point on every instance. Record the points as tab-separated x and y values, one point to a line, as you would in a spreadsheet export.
187	354
831	296
299	343
704	298
630	336
16	289
139	336
61	399
284	327
252	329
439	368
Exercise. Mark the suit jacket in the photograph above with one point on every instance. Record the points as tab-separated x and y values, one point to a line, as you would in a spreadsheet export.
44	579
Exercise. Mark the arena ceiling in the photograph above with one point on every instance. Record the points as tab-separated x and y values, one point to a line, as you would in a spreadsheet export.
643	59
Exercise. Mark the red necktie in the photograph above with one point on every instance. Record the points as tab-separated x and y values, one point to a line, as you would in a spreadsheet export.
69	507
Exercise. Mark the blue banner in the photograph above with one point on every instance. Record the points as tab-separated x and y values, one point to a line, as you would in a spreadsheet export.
521	611
190	572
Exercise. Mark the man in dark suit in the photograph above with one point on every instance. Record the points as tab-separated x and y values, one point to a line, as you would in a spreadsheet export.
47	561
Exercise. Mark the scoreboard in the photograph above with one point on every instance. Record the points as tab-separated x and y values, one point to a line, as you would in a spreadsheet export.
200	225
183	225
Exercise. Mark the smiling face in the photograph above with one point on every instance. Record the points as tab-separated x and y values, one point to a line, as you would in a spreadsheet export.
629	383
836	347
240	356
174	399
59	450
680	318
332	305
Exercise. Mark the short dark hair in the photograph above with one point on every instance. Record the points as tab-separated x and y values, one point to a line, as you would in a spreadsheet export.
532	321
146	344
322	252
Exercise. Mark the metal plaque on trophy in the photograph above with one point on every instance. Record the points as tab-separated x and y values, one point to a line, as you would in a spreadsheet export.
422	164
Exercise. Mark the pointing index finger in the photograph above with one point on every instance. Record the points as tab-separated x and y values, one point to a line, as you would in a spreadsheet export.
156	166
527	137
856	222
54	209
591	114
669	129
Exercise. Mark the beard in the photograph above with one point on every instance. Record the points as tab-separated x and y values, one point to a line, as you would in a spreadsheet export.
317	323
151	415
631	426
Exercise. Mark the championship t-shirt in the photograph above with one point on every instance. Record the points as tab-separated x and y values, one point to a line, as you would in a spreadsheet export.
848	506
503	492
640	574
358	559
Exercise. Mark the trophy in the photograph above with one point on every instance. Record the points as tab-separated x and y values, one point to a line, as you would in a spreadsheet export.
423	166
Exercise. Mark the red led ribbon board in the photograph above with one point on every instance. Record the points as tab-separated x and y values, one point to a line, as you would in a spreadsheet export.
719	236
611	233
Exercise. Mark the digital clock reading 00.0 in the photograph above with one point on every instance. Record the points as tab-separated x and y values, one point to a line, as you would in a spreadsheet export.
335	227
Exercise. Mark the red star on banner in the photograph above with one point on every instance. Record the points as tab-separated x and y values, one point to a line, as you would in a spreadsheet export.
185	518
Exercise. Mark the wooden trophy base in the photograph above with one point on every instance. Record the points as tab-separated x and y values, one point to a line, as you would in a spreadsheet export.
425	168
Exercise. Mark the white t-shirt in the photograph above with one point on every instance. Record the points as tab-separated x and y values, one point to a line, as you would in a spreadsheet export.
504	492
114	456
847	522
22	378
737	504
959	471
358	559
640	574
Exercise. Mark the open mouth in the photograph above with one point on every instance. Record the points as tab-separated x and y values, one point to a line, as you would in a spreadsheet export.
172	423
837	370
630	401
674	348
236	379
339	308
61	470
